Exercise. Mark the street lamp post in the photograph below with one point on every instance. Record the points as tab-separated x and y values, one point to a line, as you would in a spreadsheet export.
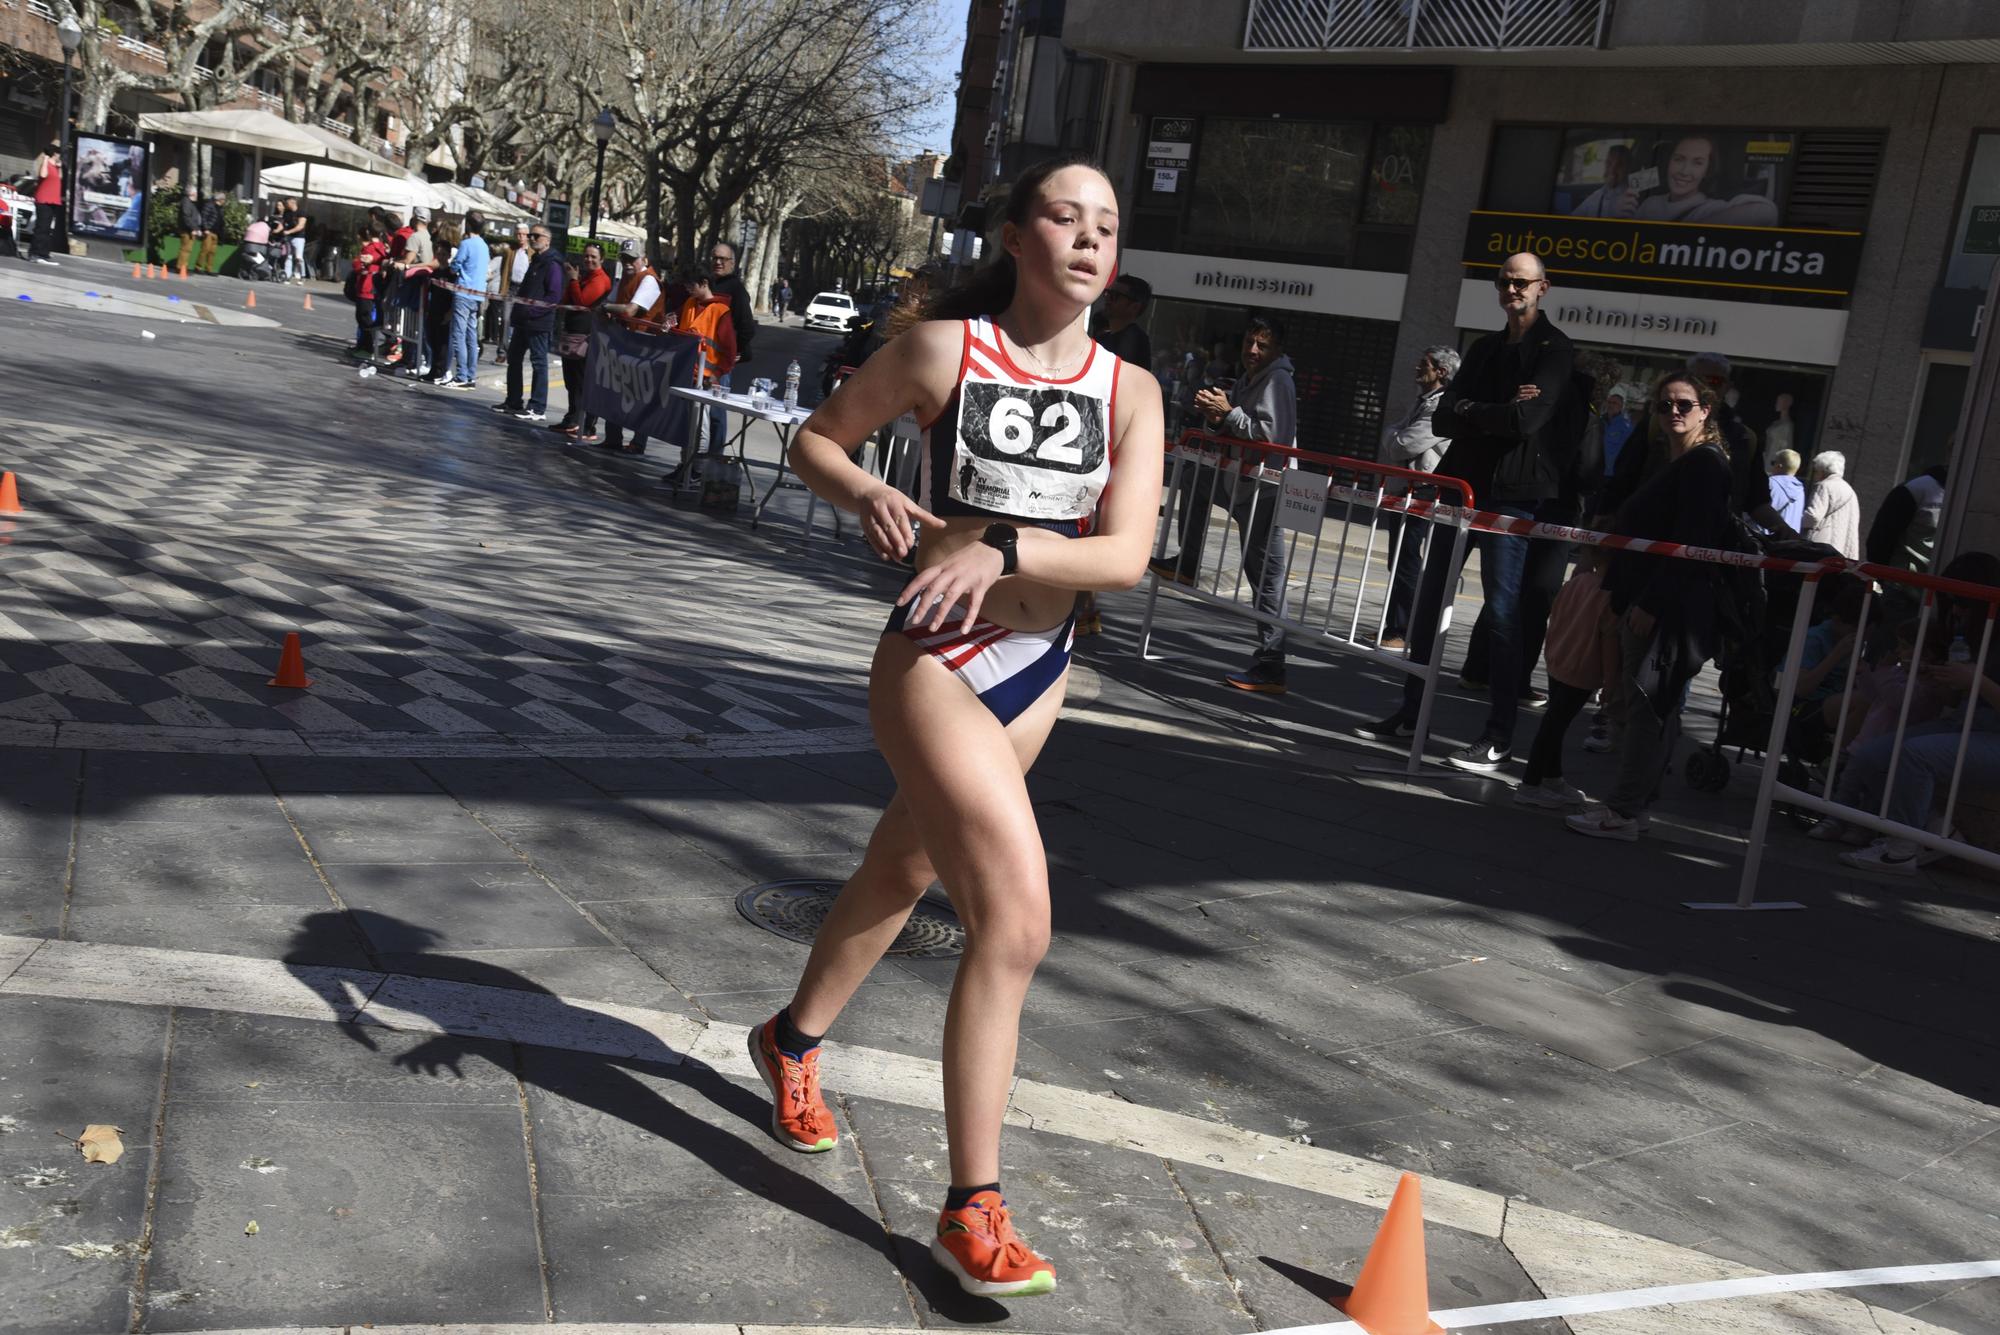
70	33
604	126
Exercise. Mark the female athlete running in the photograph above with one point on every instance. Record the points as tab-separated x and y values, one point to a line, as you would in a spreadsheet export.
1040	478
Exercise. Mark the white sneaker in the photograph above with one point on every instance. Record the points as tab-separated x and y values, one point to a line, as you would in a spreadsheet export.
1550	795
1604	823
1891	857
51	263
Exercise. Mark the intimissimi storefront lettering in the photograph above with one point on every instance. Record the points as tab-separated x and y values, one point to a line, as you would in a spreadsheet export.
1221	280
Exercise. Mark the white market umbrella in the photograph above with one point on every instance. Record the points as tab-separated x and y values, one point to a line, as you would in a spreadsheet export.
337	185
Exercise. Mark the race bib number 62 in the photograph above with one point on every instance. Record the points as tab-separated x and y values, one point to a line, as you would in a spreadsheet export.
1040	427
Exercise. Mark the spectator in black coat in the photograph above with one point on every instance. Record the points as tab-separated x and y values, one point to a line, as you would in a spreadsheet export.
535	299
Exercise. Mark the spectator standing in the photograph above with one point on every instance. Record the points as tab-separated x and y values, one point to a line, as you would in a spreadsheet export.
536	297
211	234
439	305
190	216
1262	405
1833	511
725	282
640	306
414	263
1669	624
363	278
48	174
471	269
587	286
1752	498
708	315
1788	494
1616	429
1583	656
297	228
784	298
1502	413
1118	326
1412	443
514	257
1906	527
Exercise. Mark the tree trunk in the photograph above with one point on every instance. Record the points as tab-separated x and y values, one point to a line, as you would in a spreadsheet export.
653	204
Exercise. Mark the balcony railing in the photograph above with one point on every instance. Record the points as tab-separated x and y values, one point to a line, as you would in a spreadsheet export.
1424	25
341	128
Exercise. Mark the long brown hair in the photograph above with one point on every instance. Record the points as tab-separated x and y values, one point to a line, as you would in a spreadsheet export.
1711	430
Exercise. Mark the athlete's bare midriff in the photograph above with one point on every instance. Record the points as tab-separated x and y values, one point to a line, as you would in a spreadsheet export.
1015	602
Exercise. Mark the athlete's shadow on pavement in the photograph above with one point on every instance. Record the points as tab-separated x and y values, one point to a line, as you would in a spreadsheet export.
605	1084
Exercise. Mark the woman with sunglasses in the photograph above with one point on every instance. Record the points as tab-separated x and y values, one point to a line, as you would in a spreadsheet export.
1666	606
1040	480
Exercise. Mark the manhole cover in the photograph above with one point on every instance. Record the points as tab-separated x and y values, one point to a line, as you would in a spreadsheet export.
795	910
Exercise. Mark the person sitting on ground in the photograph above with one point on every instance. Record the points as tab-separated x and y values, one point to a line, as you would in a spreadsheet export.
1930	753
1788	494
1833	512
1821	692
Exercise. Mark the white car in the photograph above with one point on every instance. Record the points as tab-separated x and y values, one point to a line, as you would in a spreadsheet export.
831	310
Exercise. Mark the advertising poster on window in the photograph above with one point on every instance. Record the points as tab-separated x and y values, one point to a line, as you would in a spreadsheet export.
1734	177
109	196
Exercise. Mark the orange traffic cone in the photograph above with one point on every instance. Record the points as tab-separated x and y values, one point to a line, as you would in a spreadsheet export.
1392	1294
184	266
10	495
249	301
292	673
149	270
135	271
309	301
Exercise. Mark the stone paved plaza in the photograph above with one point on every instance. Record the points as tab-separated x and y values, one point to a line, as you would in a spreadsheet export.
434	971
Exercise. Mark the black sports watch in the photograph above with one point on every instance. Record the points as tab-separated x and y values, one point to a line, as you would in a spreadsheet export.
1002	539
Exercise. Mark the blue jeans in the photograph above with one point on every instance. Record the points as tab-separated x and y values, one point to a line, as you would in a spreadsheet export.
1503	559
462	363
1922	767
718	423
534	345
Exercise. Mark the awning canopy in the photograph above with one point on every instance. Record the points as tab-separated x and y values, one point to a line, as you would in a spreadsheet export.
338	185
260	131
624	231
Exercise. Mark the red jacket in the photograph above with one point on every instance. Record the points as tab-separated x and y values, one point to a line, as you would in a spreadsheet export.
368	264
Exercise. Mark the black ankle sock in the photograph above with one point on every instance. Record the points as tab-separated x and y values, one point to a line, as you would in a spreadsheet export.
793	1041
957	1197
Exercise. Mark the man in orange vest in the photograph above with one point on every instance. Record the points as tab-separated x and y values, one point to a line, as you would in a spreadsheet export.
639	305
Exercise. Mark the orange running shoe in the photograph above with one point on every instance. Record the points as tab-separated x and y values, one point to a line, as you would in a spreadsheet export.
799	1115
979	1247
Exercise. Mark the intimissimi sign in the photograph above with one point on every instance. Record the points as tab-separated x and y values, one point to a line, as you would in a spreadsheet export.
1794	266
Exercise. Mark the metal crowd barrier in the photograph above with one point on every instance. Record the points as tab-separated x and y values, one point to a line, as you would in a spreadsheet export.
1279	502
1884	770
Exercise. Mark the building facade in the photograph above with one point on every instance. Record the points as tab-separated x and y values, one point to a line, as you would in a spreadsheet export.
1811	189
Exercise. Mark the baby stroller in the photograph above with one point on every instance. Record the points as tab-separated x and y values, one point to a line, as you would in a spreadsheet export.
1754	613
256	263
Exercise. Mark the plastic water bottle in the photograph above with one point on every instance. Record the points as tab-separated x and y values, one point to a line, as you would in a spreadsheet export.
792	384
1961	652
367	370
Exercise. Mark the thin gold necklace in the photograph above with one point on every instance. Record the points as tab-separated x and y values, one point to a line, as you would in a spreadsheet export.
1046	368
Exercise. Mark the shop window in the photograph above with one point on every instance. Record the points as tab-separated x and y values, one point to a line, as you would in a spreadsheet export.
1782	402
1975	235
1341	366
1938	410
1275	185
1396	175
